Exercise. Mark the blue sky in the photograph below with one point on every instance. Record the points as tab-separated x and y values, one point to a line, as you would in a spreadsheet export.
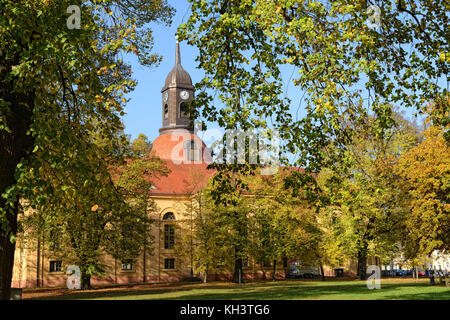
143	112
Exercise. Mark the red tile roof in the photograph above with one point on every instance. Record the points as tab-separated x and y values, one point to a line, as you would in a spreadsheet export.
186	177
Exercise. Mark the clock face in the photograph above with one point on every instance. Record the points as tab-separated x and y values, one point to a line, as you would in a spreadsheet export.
184	95
166	96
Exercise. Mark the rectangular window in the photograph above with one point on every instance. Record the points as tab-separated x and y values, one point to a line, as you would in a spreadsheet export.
127	265
267	264
245	263
56	266
169	236
169	263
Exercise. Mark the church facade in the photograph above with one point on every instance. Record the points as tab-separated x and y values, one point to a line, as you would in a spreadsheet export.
187	156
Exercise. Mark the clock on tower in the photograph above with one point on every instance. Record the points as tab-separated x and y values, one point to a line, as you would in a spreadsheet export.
177	93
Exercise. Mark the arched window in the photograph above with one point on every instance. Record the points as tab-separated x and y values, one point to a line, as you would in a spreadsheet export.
183	109
166	112
169	231
169	216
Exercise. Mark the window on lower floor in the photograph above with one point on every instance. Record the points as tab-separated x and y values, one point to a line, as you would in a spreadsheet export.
127	265
169	263
56	266
267	264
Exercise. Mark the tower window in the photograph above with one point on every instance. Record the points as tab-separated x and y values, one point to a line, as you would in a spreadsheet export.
166	112
183	109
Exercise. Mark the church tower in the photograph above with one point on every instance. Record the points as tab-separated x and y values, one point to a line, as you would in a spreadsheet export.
177	93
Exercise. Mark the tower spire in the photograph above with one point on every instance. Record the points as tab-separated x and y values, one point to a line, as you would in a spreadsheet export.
177	93
177	54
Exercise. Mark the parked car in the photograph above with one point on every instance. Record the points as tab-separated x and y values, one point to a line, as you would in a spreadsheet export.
421	273
299	271
400	273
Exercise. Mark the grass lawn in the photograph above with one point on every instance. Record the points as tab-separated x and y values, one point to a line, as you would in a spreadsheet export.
283	289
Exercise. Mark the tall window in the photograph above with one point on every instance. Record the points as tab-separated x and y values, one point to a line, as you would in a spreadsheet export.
183	109
56	266
169	236
169	263
166	112
169	231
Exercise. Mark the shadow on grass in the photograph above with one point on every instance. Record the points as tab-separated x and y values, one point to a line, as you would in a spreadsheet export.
273	291
360	292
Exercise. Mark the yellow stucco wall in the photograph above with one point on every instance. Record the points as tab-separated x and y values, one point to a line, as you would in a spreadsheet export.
25	273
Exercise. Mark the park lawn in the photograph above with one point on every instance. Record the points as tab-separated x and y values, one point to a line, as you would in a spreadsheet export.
284	290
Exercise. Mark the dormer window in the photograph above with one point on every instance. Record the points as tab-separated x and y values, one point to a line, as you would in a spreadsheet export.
191	150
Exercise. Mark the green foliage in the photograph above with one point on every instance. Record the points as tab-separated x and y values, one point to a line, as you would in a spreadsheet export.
366	209
344	70
134	181
141	146
261	223
62	91
77	77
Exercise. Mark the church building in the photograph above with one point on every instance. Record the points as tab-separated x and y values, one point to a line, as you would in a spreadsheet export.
187	156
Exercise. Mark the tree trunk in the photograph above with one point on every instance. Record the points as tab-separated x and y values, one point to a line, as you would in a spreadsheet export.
85	282
205	277
14	146
274	271
144	271
322	273
362	264
237	275
263	270
38	262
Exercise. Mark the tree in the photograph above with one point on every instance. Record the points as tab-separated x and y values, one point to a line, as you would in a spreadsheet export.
365	209
88	214
283	225
57	83
345	69
134	181
425	181
77	209
202	237
141	146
